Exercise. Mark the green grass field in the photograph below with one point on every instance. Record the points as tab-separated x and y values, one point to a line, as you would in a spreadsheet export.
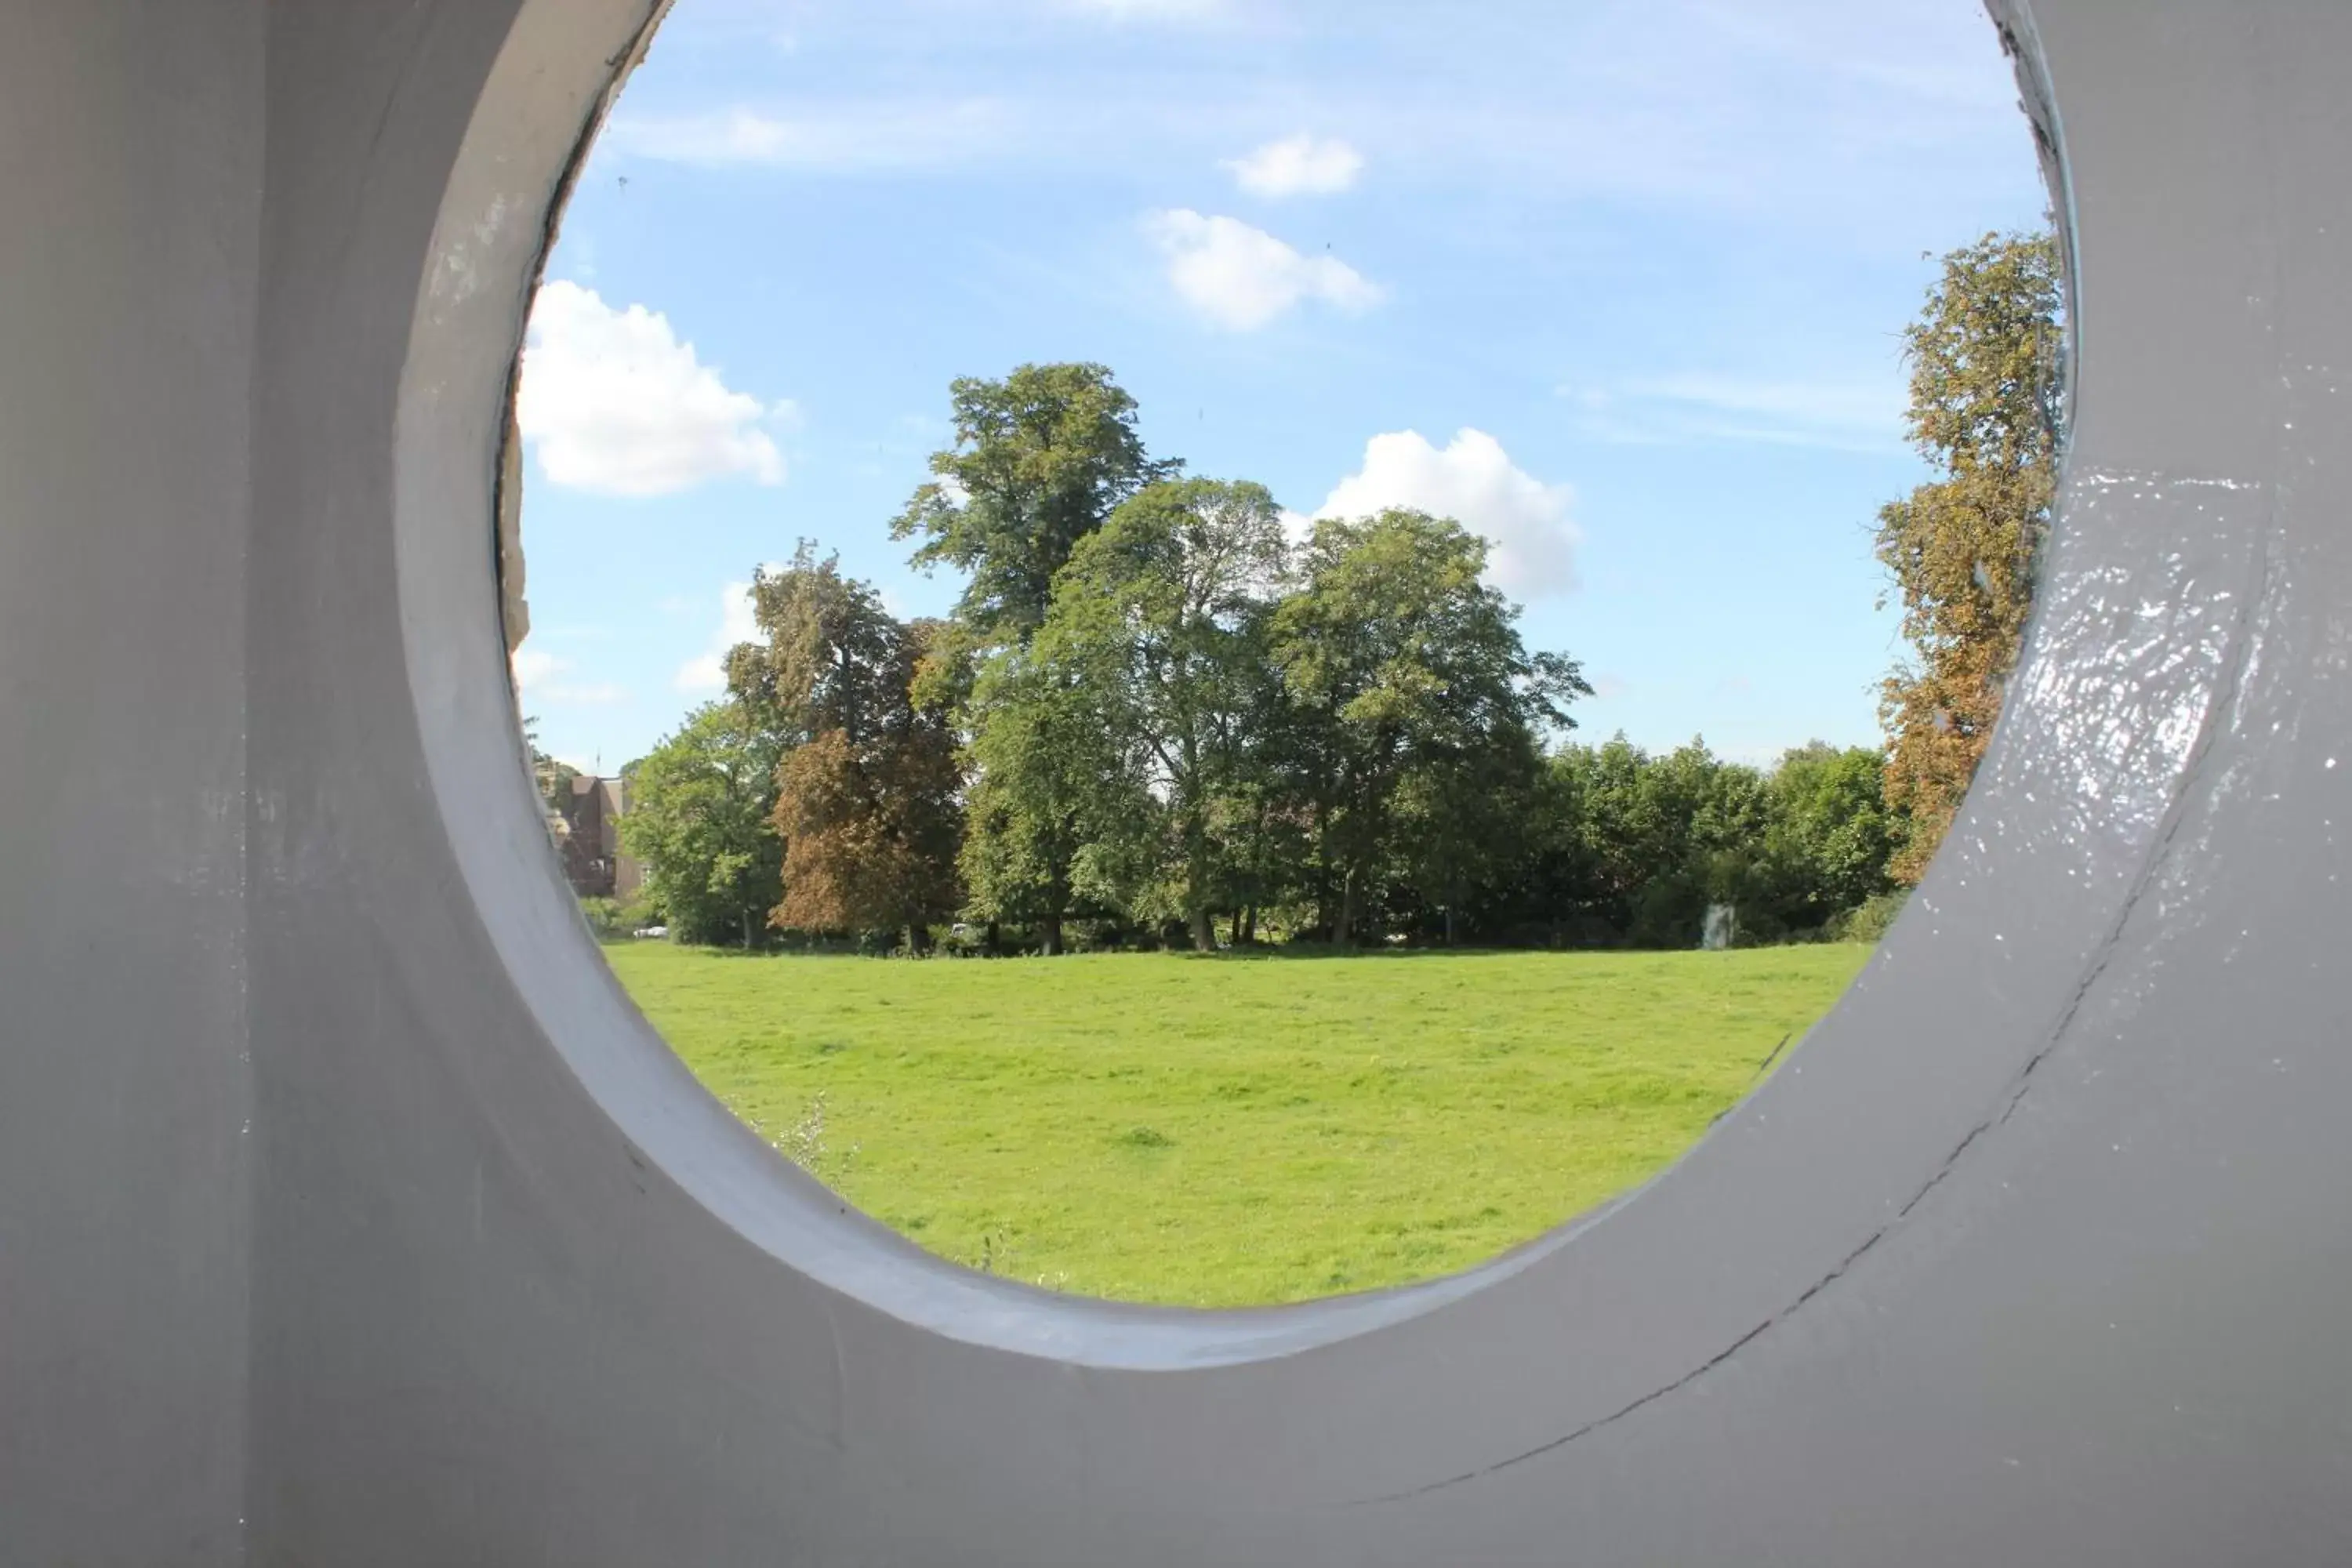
1227	1131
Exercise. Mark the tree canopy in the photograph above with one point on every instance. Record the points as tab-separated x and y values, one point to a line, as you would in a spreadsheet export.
865	789
1963	550
1049	794
1400	658
1040	460
1163	617
1163	713
699	819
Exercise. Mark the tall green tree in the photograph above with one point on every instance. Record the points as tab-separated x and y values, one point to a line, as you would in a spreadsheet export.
1049	791
1263	820
867	786
1398	657
1040	460
1730	818
1165	612
1963	550
699	814
1466	822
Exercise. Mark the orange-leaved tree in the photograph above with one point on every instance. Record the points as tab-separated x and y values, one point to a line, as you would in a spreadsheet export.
1964	549
866	790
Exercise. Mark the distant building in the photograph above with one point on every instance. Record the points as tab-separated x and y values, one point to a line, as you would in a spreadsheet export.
587	818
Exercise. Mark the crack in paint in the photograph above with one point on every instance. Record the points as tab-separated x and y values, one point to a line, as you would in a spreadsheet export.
1754	1078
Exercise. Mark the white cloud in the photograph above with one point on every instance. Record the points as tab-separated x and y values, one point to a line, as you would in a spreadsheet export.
1297	166
1242	279
538	676
613	404
1475	482
852	139
1707	408
707	674
535	666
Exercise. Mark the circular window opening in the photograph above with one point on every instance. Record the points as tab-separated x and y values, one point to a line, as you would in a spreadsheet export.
1123	595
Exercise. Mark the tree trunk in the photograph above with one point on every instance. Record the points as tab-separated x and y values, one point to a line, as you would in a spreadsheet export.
1449	925
993	937
1343	934
1054	935
1246	933
918	938
747	930
1196	875
1324	924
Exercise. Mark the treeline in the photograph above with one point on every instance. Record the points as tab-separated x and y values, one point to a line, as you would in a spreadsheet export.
1158	717
1163	713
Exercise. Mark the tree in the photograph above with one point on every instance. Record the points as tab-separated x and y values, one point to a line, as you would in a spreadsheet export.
1049	791
554	778
1637	848
1400	658
1040	460
1464	819
1263	821
865	790
1963	550
1832	837
699	818
1164	614
1731	809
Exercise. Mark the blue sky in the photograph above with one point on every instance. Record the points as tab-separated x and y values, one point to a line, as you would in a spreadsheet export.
1619	284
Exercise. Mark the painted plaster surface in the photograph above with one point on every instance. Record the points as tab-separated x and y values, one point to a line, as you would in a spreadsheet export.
348	1214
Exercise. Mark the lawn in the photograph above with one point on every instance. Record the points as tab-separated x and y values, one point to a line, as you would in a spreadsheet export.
1228	1131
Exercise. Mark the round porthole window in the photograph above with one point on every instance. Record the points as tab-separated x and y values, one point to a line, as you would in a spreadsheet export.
1401	602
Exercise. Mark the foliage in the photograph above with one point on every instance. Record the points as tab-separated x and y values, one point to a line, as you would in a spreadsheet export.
865	789
1962	551
1049	791
611	919
1161	621
1040	460
603	917
1400	658
1230	1132
1831	837
1660	838
1870	922
1461	819
1157	720
1627	848
554	778
699	805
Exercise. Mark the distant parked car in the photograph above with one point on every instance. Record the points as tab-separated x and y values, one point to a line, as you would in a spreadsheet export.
652	932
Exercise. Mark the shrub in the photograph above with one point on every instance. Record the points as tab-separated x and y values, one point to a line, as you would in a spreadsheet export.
605	918
1868	923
